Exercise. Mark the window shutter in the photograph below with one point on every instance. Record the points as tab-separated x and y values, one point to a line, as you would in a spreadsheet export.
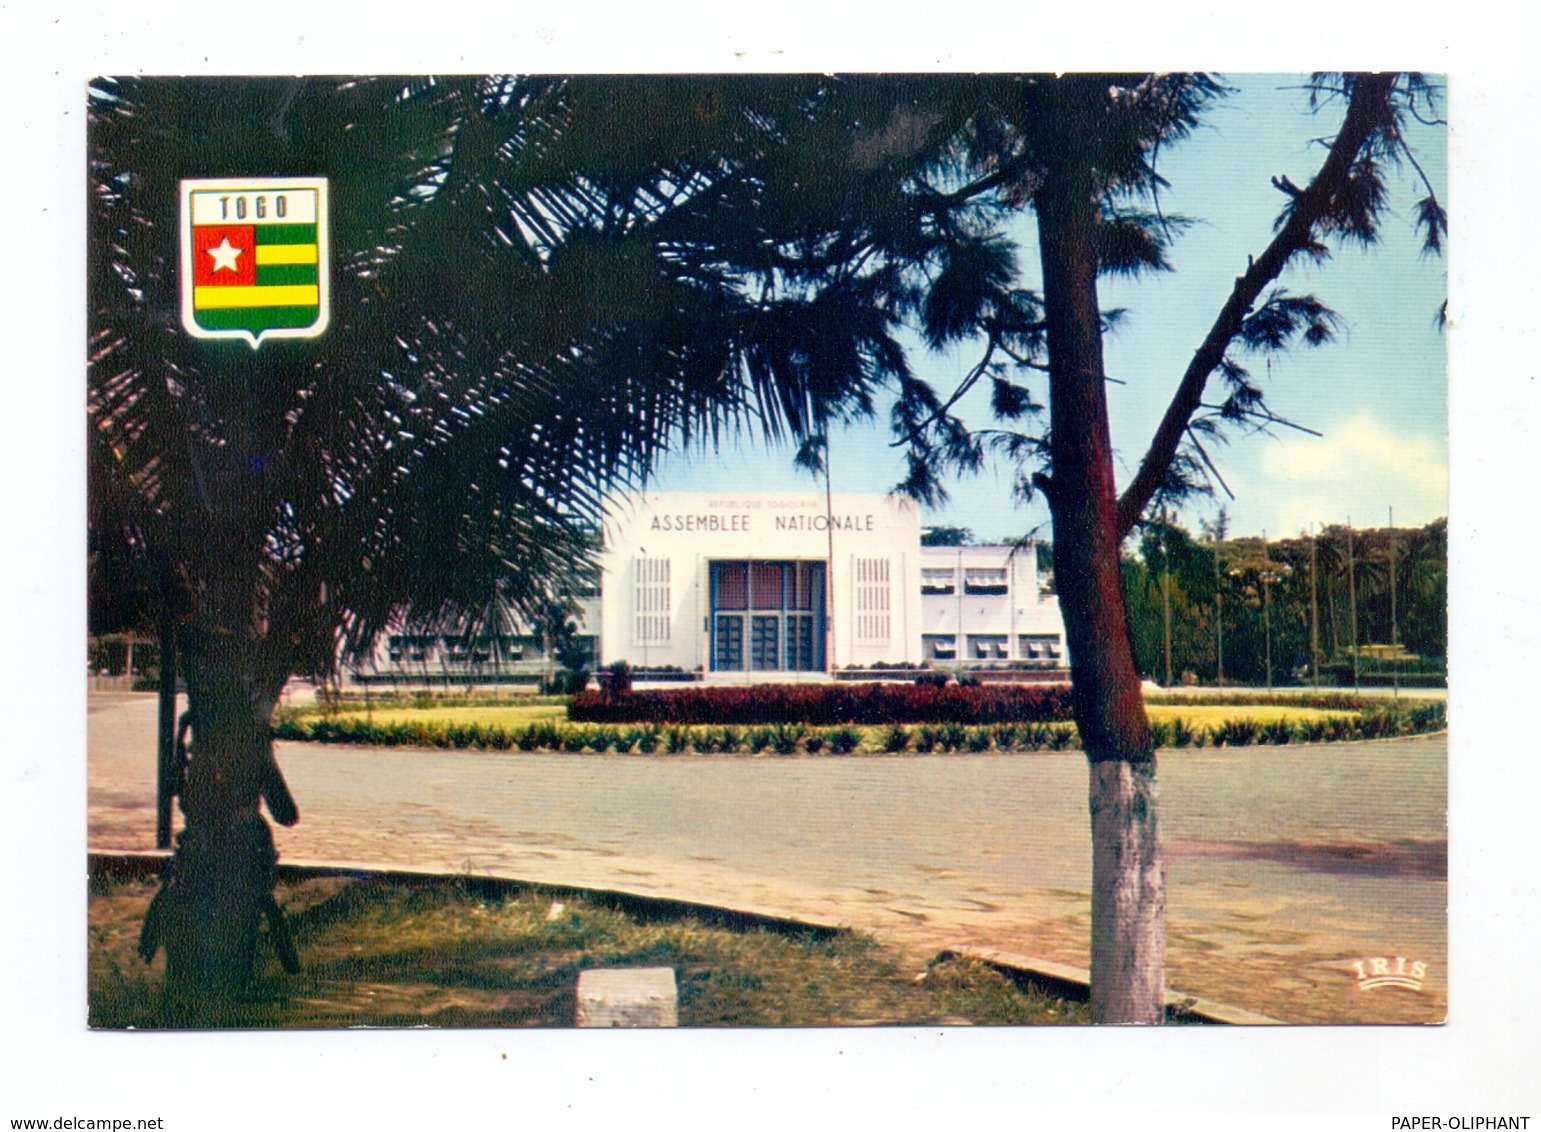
874	622
652	604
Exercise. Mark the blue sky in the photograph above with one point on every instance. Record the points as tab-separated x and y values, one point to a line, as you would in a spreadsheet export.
1377	393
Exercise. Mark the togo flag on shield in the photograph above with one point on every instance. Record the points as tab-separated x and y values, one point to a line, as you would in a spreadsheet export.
255	258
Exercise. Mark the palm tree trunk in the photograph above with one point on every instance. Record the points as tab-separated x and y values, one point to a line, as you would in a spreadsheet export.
1128	944
220	881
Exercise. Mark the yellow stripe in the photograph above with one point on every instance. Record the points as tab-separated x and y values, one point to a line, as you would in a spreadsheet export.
301	295
286	253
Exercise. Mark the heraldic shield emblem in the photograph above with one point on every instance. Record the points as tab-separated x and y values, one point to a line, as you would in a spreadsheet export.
255	258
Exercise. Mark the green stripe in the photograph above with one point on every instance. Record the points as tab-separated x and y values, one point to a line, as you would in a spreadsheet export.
278	274
257	318
286	233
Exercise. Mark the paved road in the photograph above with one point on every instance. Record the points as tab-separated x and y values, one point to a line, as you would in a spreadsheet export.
1285	865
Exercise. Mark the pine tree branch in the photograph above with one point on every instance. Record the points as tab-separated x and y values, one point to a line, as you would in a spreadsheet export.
1210	464
1020	359
968	382
1365	113
1407	152
1268	418
937	202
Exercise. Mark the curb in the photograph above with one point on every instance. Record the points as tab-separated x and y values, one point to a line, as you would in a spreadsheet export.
147	864
1056	978
1074	982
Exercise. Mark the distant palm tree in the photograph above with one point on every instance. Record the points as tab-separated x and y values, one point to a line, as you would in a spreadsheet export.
1424	589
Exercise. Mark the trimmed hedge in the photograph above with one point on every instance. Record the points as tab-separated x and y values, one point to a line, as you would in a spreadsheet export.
825	705
798	738
1321	700
680	739
1377	720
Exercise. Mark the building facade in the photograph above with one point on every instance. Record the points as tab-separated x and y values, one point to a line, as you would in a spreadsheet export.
982	605
446	655
760	586
739	586
784	586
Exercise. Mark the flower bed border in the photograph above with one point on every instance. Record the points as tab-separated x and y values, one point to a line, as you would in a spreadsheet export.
1375	721
825	705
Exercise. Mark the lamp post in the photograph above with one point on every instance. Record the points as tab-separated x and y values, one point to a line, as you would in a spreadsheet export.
1219	624
1353	612
1268	577
1315	635
1391	550
1166	597
1267	573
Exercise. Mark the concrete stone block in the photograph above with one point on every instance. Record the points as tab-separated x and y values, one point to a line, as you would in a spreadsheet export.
627	996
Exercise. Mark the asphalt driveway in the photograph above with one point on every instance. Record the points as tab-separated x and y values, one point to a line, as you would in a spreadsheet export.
1286	866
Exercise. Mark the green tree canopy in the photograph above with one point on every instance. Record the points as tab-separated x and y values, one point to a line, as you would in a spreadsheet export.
946	536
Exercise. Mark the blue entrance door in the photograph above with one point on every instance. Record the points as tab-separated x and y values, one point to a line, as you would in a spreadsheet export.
767	616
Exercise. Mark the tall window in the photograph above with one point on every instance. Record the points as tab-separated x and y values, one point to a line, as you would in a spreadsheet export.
871	593
652	603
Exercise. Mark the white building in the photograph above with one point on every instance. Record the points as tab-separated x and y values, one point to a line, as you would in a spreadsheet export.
766	586
444	654
983	605
760	585
774	587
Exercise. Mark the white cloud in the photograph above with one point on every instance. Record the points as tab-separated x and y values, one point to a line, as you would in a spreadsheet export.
1358	470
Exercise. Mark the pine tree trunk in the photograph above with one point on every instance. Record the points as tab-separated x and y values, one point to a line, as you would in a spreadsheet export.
1128	895
220	881
1128	944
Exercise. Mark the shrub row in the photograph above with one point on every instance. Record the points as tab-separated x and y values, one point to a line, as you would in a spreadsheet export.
425	700
824	705
671	739
1380	723
1321	700
802	738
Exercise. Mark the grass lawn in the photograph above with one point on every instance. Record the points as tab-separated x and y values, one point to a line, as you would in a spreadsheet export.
515	717
520	715
1207	715
438	953
541	725
495	715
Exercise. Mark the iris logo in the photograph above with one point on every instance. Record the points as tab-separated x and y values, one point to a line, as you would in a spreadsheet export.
1379	972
